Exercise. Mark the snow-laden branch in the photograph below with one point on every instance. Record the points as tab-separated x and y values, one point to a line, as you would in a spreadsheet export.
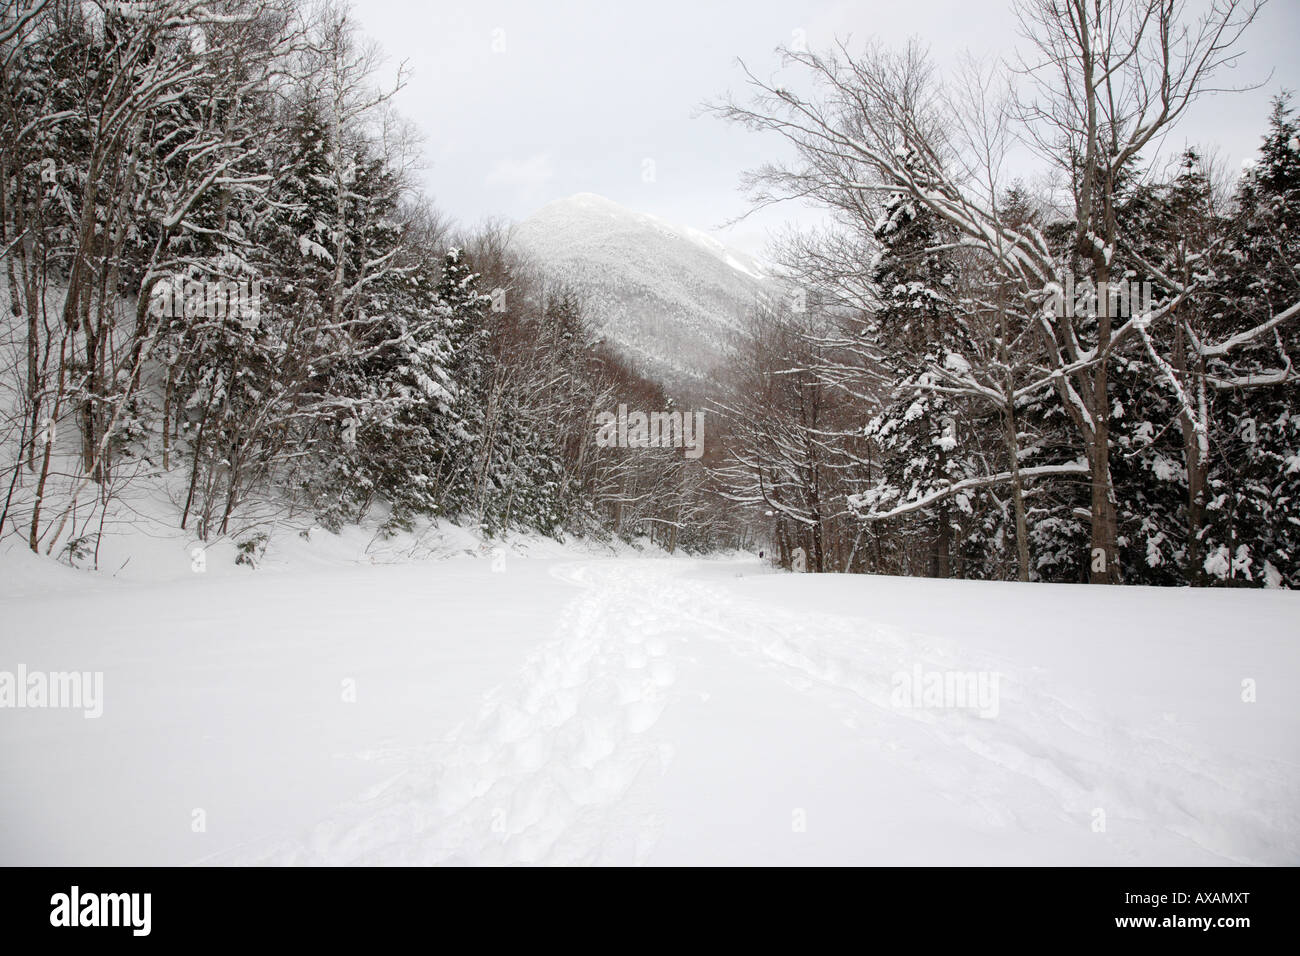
1243	338
966	484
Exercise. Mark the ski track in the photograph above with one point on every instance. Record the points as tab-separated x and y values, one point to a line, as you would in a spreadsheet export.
559	764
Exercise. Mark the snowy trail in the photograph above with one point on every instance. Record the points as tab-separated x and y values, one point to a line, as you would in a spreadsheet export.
548	770
616	742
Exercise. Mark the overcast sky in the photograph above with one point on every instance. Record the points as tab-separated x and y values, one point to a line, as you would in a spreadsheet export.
527	101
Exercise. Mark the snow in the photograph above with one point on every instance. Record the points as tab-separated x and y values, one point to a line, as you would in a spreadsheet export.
552	704
671	298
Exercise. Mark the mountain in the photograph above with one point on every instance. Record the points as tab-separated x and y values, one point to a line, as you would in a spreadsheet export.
669	298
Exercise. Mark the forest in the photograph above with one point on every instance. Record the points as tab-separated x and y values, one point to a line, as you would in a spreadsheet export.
225	288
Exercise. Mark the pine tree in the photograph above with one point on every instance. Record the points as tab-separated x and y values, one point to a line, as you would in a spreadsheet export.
918	433
463	468
1254	490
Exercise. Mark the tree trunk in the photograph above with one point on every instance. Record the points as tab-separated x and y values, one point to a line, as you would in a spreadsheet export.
1103	562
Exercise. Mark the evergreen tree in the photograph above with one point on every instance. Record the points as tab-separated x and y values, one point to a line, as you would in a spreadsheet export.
1253	536
918	433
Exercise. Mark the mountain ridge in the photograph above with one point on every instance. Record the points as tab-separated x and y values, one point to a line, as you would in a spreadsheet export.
671	299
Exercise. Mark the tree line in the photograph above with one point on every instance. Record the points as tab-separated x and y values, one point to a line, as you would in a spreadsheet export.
1081	374
224	287
370	360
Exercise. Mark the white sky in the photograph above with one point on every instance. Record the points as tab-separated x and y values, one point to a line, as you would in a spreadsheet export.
584	92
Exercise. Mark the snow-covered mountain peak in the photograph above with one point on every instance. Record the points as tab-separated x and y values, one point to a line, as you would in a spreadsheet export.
582	205
671	298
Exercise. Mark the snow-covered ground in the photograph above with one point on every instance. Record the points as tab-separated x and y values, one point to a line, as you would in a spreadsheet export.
568	707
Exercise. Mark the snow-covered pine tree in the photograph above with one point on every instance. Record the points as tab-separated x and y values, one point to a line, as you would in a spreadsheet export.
919	432
1254	489
1170	229
462	469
